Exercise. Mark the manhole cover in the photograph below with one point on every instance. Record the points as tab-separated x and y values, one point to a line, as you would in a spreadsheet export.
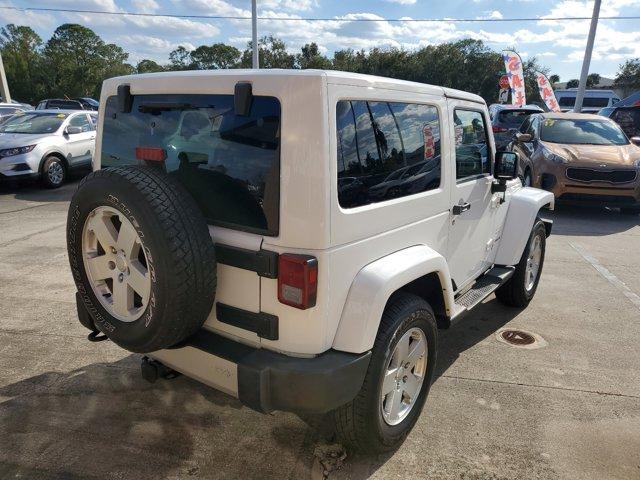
517	337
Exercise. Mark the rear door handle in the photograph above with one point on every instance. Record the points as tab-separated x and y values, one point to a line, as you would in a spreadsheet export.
459	209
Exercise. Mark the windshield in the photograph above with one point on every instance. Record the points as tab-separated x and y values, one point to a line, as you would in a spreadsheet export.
33	123
582	132
514	118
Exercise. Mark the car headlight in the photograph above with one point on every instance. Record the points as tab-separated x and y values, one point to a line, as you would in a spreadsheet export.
9	152
638	164
552	157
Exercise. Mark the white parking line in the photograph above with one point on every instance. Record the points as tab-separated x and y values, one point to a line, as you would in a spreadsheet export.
610	277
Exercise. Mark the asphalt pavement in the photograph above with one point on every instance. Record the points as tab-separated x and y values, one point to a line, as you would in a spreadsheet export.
567	409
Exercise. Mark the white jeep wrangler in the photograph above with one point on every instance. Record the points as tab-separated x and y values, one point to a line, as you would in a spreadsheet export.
295	238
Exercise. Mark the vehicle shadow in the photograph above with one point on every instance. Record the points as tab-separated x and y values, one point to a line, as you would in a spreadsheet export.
105	421
593	221
485	321
33	191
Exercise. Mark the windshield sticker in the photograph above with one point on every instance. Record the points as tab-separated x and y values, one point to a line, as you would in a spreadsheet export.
549	122
61	115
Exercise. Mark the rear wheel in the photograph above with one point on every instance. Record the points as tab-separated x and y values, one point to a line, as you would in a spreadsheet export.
397	381
521	287
53	172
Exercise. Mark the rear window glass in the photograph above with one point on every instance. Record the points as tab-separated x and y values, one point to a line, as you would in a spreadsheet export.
62	104
386	150
229	163
513	118
586	102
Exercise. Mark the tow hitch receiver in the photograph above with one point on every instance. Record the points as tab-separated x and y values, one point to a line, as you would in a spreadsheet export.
152	370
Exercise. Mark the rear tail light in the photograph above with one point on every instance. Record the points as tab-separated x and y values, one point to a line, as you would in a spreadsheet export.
499	129
297	280
152	154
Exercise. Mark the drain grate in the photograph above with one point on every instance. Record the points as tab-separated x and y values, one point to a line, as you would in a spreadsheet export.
517	337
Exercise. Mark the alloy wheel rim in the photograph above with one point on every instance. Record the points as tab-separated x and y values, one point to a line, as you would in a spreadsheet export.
403	376
116	264
533	263
55	173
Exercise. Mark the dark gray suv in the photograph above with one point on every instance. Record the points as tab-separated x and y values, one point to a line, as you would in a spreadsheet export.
506	120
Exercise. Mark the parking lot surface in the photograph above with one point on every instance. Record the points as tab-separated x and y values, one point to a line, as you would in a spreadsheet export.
569	409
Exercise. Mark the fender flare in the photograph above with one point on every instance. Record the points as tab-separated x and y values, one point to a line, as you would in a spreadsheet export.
524	206
375	283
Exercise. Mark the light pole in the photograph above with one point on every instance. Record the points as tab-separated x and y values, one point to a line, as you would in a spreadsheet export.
4	86
587	57
254	33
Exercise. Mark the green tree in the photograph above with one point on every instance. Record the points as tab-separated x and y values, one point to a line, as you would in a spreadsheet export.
180	59
554	79
273	54
216	56
593	79
21	49
310	57
148	66
76	61
628	76
573	83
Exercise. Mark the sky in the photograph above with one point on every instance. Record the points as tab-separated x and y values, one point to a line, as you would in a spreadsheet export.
557	45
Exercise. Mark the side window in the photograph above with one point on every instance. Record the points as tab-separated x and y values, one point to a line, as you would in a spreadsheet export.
525	125
81	121
472	149
386	150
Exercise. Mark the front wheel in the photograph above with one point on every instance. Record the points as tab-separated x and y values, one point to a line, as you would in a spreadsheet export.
53	172
397	381
521	287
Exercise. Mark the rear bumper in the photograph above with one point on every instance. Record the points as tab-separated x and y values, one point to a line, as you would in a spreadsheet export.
265	380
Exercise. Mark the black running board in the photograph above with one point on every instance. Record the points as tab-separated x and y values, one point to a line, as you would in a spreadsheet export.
481	289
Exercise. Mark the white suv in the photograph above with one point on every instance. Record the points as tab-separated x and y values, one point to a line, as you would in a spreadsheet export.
246	228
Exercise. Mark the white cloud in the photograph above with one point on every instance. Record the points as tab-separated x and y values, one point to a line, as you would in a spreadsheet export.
300	5
494	14
102	5
403	2
145	6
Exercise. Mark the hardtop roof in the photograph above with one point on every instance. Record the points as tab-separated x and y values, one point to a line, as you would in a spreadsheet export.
332	76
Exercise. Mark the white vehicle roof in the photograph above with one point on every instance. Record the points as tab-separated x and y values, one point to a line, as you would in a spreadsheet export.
331	76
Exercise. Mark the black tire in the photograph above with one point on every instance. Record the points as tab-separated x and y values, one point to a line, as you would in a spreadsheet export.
54	172
360	424
180	255
514	292
630	210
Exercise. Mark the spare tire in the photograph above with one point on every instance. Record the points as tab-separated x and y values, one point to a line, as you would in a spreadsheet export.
141	256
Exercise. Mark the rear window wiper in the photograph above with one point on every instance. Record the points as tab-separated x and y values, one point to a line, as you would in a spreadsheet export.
157	107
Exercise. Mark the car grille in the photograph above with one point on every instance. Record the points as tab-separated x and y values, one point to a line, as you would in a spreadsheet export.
610	176
600	199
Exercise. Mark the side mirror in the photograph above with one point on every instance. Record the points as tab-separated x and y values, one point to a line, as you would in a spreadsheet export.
635	140
506	166
70	130
524	137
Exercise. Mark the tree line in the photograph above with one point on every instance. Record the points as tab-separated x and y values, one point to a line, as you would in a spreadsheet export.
75	61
